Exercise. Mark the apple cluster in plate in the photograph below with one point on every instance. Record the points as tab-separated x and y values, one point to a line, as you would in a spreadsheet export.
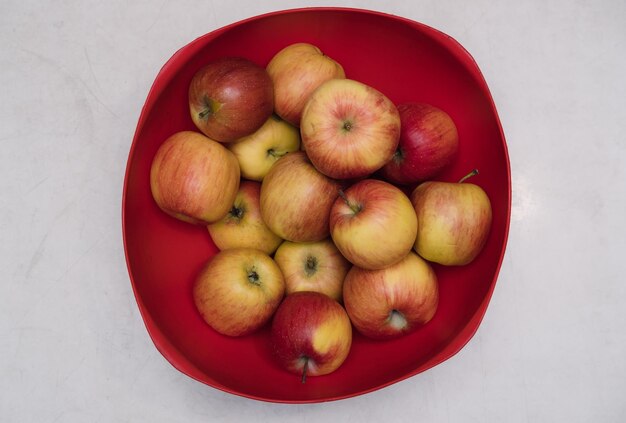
301	177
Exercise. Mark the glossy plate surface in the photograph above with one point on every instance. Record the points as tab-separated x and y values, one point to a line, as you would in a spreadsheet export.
407	61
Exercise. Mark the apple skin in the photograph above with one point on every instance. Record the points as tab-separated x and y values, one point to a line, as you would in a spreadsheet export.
391	302
428	143
349	129
313	330
375	225
230	98
258	152
296	71
243	226
194	178
455	221
296	199
238	291
312	266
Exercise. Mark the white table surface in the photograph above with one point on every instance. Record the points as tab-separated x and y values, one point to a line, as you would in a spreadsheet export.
73	348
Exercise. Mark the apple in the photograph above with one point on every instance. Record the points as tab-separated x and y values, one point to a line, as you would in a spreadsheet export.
296	199
296	71
312	266
373	224
428	143
243	225
349	129
454	221
194	178
311	334
230	98
238	291
258	152
394	301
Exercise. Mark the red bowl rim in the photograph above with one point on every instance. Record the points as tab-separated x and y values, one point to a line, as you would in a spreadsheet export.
462	338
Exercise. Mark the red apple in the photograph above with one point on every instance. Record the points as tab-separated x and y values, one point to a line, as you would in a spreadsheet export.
391	302
349	130
258	152
238	291
373	224
296	199
454	221
230	98
312	266
428	143
194	178
243	226
296	71
311	334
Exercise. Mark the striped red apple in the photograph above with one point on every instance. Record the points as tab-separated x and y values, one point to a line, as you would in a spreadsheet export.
393	301
194	178
349	129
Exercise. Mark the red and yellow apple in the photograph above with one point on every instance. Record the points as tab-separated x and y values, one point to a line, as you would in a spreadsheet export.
296	71
243	226
238	291
349	129
428	143
311	334
230	97
296	199
391	302
194	178
373	224
454	221
258	152
312	266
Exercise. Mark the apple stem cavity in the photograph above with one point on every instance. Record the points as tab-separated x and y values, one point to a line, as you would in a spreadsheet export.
398	156
253	277
310	267
354	207
275	154
210	107
347	125
474	172
304	369
236	212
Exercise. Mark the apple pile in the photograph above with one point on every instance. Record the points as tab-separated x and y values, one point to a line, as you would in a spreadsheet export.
299	175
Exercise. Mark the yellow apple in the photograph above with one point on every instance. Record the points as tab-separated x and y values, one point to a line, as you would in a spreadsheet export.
258	152
243	225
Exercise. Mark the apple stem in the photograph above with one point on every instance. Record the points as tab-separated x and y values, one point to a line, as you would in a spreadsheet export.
474	172
311	266
304	369
355	208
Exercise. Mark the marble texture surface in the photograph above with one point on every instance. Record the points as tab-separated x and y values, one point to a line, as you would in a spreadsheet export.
73	348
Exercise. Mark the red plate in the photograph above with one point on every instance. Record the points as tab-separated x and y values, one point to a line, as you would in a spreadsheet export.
407	61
